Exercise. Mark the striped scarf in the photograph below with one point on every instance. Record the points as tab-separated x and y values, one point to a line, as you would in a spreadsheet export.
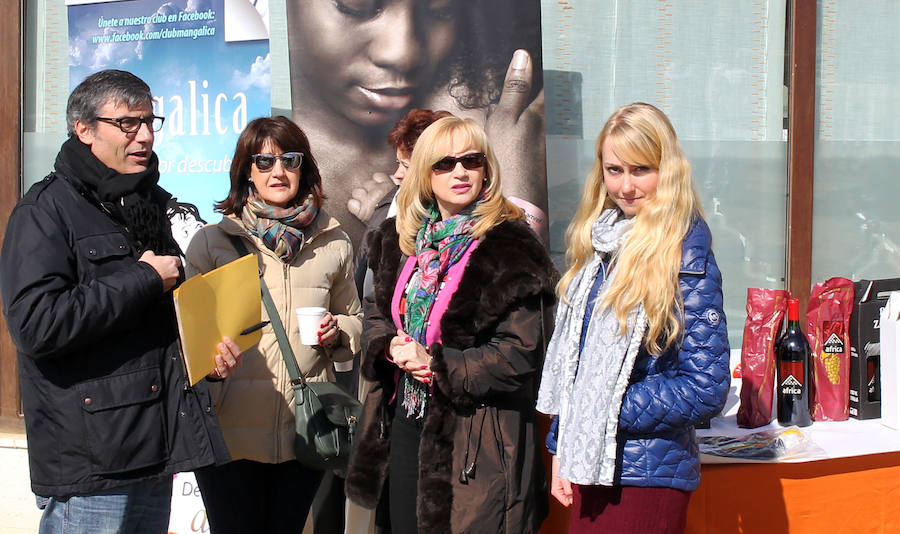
281	229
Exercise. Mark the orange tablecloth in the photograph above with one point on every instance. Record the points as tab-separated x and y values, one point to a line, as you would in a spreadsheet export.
858	495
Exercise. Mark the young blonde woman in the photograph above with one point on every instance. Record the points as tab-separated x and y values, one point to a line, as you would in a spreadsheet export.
639	353
454	345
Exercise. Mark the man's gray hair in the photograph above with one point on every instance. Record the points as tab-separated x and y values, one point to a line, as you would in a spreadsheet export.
117	86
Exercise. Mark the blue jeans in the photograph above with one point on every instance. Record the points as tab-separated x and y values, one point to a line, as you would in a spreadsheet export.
137	508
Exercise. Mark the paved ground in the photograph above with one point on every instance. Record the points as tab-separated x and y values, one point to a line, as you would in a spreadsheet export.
18	513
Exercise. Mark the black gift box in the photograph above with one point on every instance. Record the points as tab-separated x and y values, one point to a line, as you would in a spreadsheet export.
870	296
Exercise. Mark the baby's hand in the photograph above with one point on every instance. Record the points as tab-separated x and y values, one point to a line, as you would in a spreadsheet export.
363	200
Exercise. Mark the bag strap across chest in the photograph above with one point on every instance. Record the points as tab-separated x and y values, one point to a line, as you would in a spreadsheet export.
287	353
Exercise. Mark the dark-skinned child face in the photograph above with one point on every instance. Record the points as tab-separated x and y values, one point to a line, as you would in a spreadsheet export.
369	60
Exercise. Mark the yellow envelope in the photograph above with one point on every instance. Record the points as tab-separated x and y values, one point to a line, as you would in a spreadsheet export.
222	302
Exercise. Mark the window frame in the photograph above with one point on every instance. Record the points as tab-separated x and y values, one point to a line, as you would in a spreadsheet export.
11	30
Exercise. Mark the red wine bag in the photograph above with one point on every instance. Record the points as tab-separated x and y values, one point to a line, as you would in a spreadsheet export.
765	313
828	332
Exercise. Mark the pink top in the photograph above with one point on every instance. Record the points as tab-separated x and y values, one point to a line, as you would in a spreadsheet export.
448	287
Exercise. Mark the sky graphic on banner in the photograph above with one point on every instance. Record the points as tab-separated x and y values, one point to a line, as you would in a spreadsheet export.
207	88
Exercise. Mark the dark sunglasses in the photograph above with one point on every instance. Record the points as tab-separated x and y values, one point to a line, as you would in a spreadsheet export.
469	161
133	124
289	160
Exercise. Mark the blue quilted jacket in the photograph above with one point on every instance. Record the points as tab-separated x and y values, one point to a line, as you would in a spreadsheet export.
687	384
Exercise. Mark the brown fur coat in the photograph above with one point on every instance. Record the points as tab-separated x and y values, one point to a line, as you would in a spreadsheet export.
487	369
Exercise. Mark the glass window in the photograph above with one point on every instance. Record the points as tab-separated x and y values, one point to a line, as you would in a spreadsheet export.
46	87
856	223
717	70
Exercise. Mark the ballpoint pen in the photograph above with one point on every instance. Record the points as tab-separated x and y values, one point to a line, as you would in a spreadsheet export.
253	328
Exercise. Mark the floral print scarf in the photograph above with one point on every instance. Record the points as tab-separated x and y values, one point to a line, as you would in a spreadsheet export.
439	245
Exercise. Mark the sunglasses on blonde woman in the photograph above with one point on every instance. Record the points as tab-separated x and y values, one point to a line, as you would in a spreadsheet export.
289	160
469	161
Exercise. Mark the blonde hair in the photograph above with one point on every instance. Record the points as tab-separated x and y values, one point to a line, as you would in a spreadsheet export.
648	263
416	195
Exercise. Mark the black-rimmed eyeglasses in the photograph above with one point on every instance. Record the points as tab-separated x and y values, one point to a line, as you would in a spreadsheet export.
133	124
289	160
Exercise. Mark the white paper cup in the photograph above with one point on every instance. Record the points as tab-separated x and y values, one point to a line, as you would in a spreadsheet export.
309	319
343	367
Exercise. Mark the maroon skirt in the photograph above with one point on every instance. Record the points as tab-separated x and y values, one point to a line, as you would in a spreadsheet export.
627	510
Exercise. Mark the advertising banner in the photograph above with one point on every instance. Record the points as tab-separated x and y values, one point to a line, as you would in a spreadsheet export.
207	64
188	513
357	67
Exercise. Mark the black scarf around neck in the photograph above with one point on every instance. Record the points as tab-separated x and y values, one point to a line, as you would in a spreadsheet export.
127	197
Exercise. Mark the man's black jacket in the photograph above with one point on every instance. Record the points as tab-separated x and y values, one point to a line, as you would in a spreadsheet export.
104	389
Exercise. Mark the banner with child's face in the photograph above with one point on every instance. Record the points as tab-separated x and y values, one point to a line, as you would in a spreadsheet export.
207	65
358	66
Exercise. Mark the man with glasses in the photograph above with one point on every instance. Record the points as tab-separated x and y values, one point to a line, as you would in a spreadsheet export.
86	273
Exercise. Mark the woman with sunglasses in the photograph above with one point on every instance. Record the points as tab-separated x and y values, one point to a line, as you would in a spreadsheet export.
454	337
274	208
639	354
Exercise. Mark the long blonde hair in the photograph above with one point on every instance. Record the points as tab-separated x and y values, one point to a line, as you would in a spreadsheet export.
648	263
416	195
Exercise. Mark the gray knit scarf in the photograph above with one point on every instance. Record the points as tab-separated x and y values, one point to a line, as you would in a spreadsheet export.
585	387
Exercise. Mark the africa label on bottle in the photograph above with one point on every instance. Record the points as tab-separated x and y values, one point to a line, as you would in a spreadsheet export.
791	378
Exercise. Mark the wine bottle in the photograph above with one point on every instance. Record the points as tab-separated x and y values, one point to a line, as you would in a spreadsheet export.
792	353
873	380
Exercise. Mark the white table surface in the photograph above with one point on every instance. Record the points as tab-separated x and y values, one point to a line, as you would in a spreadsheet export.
836	439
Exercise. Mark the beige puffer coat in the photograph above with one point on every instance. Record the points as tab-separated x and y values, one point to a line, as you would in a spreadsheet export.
256	405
